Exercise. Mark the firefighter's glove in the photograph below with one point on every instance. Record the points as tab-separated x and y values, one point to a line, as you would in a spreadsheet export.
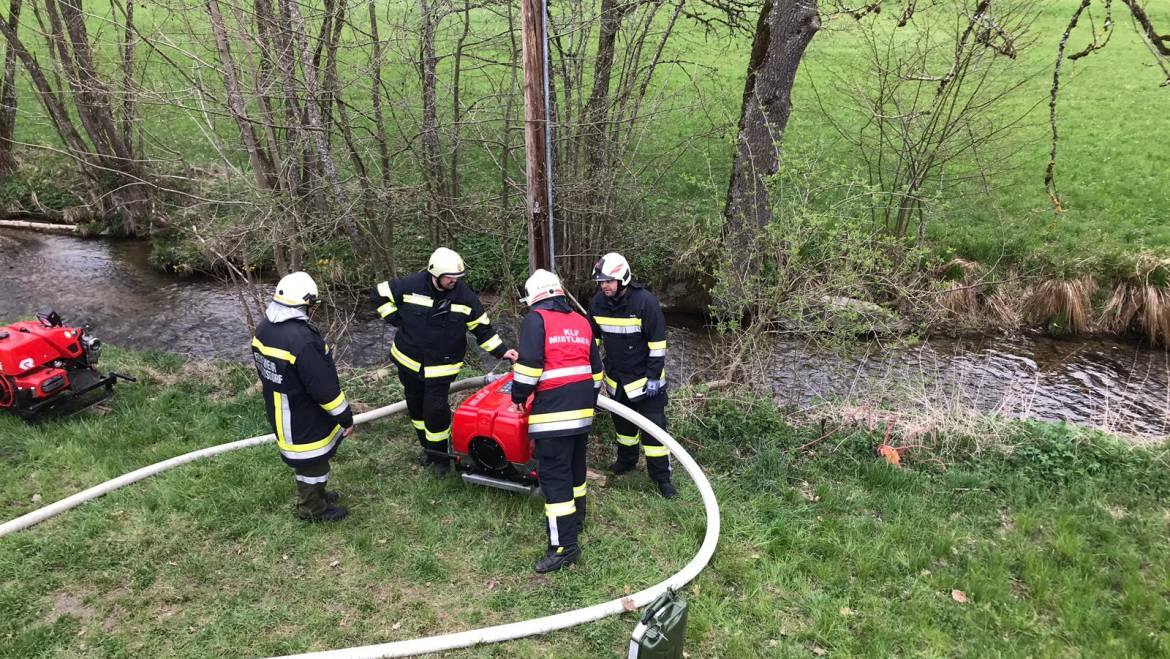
655	387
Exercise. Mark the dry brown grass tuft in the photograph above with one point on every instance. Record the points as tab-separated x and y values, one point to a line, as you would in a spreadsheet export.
960	298
1064	300
958	269
969	297
1002	308
1139	305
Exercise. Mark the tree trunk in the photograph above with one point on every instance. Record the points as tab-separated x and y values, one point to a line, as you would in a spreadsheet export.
8	97
128	96
57	112
433	164
313	114
509	103
380	127
128	191
595	130
376	95
784	30
261	168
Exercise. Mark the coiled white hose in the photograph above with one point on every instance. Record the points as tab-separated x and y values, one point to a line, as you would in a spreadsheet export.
476	636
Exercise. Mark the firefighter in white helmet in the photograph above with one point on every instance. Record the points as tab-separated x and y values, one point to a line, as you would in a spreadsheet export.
560	366
434	310
632	329
306	407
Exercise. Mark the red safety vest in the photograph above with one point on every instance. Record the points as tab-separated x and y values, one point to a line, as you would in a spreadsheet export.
567	337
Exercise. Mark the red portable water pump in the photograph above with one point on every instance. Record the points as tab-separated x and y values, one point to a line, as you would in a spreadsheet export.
490	440
45	364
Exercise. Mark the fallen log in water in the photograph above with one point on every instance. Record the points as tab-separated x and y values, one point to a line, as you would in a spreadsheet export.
46	227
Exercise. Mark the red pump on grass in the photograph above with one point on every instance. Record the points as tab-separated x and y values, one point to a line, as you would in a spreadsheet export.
490	440
45	364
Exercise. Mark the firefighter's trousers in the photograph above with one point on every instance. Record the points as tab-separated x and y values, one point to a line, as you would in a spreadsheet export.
430	412
629	437
311	478
560	465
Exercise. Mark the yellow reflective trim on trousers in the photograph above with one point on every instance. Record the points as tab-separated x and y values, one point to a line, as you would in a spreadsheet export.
580	491
403	359
492	343
420	300
301	448
384	290
418	424
598	376
335	403
620	322
387	309
656	345
629	440
482	320
274	352
610	382
655	451
636	385
527	370
442	370
441	436
461	308
560	509
567	415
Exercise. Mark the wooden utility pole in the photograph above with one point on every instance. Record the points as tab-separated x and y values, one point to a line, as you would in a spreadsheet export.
535	135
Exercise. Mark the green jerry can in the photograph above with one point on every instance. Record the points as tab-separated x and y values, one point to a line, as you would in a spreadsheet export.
662	631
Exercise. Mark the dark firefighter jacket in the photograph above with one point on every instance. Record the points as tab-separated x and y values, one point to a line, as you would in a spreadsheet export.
304	400
633	331
433	324
561	363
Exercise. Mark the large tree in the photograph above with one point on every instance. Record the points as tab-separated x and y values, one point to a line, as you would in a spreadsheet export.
8	97
784	30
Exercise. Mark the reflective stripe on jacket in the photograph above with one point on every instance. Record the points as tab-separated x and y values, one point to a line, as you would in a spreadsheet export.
632	330
432	324
302	396
561	364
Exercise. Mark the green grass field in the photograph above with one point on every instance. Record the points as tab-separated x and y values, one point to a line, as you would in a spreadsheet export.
1109	174
1059	545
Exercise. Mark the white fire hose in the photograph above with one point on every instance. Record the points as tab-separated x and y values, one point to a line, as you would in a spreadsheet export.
459	639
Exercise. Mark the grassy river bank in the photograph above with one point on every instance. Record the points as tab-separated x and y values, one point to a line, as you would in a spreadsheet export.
1021	539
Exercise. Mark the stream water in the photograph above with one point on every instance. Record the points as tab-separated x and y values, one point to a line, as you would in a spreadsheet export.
1100	382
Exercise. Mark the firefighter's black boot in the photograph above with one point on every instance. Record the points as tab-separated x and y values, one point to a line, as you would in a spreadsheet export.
557	558
330	514
667	490
312	506
441	468
619	467
331	496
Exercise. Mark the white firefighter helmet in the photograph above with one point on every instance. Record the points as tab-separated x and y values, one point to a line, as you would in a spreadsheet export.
445	262
296	289
613	267
541	286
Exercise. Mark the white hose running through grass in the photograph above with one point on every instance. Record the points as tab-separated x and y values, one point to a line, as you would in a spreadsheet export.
459	639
